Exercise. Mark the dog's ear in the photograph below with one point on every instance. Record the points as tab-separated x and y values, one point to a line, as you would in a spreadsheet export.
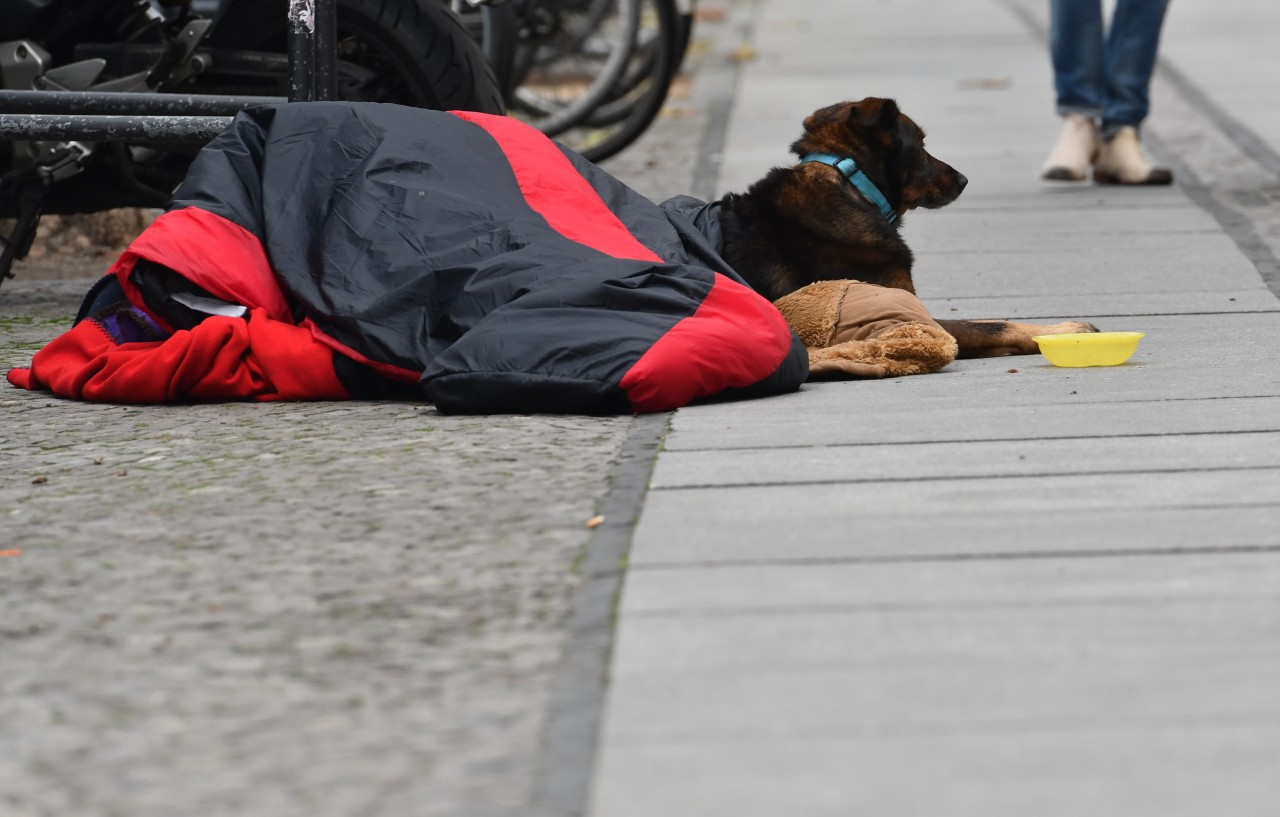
842	127
877	114
838	112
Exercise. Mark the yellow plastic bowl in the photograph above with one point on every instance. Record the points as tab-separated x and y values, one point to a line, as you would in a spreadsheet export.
1089	348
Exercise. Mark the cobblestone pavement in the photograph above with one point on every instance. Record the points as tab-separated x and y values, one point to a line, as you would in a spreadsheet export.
286	609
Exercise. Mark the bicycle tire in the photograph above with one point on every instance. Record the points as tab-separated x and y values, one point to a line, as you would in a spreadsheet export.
548	92
649	58
419	52
639	98
687	9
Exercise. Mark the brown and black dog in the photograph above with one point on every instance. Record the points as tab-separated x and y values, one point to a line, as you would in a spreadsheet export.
814	222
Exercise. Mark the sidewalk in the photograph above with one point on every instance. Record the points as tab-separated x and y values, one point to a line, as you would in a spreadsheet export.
1006	588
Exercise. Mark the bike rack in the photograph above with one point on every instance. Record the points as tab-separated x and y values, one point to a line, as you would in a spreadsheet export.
168	118
72	117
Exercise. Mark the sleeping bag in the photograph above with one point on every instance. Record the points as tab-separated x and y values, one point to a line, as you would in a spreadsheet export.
330	250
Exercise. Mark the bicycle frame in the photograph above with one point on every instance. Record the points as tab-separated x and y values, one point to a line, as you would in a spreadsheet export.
72	118
143	117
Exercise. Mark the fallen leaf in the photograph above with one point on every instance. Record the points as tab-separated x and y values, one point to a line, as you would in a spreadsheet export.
677	112
1013	371
744	53
595	521
97	460
986	83
9	553
40	480
681	88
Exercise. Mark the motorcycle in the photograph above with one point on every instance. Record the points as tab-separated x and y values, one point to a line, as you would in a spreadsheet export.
78	62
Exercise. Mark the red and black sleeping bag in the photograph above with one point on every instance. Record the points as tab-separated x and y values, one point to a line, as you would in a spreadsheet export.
381	250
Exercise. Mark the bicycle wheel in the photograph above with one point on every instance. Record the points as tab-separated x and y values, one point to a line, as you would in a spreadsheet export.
687	9
403	51
570	53
636	100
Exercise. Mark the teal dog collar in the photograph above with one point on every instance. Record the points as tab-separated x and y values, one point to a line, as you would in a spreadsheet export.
854	175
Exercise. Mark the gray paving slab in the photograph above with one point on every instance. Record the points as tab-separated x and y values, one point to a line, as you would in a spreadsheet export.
912	84
826	526
1153	452
962	695
1033	226
1175	768
831	417
1082	685
1125	270
871	639
997	232
1050	308
811	589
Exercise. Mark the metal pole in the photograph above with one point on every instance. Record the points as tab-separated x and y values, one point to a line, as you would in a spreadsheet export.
302	53
326	49
106	102
141	129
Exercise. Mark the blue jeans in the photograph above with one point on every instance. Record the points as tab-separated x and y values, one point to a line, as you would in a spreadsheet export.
1106	77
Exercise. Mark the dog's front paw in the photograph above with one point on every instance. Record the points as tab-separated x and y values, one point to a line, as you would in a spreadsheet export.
1066	328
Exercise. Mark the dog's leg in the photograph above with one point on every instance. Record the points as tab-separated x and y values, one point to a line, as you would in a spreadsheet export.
994	338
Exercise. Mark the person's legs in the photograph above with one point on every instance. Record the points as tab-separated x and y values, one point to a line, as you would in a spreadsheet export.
1075	46
1128	60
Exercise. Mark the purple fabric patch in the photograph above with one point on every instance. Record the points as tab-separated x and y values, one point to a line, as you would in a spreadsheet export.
127	324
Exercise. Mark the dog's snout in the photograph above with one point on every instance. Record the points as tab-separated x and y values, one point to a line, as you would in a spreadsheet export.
961	180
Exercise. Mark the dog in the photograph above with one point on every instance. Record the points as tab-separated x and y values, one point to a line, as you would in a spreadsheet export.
835	215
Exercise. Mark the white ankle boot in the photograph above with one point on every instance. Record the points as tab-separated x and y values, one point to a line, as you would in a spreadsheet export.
1121	161
1076	149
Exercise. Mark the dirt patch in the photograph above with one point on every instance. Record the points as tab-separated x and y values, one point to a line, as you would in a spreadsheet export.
78	246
